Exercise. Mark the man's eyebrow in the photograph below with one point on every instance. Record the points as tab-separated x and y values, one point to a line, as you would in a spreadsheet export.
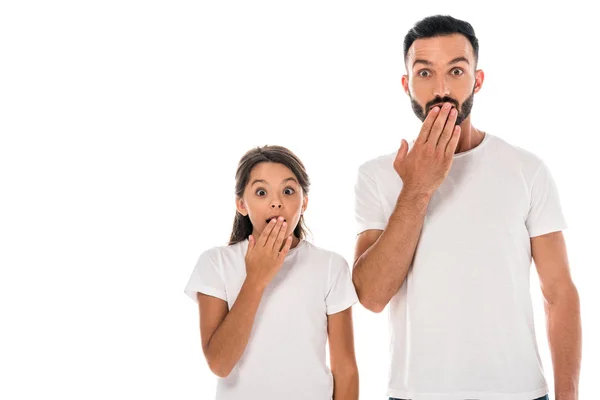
453	61
458	59
422	62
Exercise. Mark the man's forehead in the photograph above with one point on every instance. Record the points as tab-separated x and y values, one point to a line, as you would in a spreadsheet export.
440	49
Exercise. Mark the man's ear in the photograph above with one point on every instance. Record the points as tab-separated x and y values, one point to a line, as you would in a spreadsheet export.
479	76
405	84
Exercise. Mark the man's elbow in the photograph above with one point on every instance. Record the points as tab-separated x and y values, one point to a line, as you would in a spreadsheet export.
219	369
367	300
373	306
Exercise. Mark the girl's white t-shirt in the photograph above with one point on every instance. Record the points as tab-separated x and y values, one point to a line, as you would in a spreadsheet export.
285	357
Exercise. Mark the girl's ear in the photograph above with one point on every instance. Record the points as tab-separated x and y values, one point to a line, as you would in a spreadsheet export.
241	206
304	204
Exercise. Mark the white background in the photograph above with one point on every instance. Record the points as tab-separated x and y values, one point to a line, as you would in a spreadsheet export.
121	126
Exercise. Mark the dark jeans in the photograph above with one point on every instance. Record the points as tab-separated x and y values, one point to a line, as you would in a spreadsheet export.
541	398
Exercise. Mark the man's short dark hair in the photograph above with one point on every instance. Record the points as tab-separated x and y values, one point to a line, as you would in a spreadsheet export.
441	25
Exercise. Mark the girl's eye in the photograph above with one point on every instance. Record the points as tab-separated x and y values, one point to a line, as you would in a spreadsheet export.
261	192
289	191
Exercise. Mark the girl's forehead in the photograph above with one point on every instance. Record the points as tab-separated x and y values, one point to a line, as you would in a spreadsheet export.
271	171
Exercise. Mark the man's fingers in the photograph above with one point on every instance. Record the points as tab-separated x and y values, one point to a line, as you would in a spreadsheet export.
427	124
438	125
448	129
402	151
451	147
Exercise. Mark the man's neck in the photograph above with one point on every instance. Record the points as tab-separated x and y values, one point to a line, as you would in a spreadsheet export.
470	137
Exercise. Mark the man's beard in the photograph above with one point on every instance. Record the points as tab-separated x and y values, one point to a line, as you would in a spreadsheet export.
463	111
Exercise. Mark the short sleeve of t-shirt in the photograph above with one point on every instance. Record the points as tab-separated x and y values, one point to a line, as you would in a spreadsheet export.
545	212
206	278
367	205
341	294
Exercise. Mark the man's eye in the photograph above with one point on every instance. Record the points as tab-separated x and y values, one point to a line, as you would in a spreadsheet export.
424	73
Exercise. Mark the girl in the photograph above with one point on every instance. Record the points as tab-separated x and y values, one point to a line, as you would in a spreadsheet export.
269	300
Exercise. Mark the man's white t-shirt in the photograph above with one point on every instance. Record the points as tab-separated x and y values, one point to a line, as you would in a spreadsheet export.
462	323
285	357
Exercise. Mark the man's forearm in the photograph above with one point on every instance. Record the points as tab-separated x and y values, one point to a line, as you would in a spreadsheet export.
564	335
380	270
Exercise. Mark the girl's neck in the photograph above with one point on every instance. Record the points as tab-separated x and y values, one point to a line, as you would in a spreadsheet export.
295	241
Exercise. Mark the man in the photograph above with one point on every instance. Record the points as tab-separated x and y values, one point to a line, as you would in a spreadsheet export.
448	227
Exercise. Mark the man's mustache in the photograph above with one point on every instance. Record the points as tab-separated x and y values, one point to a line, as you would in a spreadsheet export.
440	100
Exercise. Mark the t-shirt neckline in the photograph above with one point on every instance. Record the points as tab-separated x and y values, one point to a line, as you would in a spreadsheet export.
474	149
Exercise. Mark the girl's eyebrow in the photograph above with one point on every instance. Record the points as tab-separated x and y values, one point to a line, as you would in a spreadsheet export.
265	182
289	179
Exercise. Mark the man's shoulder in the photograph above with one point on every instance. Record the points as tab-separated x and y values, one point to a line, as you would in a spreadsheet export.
516	153
377	165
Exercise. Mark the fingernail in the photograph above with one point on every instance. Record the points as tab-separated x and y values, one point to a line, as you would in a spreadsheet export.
447	106
453	111
435	109
280	218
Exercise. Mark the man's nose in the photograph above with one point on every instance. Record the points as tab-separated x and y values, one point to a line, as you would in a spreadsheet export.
441	88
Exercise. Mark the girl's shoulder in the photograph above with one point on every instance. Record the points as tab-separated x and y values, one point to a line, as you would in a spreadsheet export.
323	254
225	251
